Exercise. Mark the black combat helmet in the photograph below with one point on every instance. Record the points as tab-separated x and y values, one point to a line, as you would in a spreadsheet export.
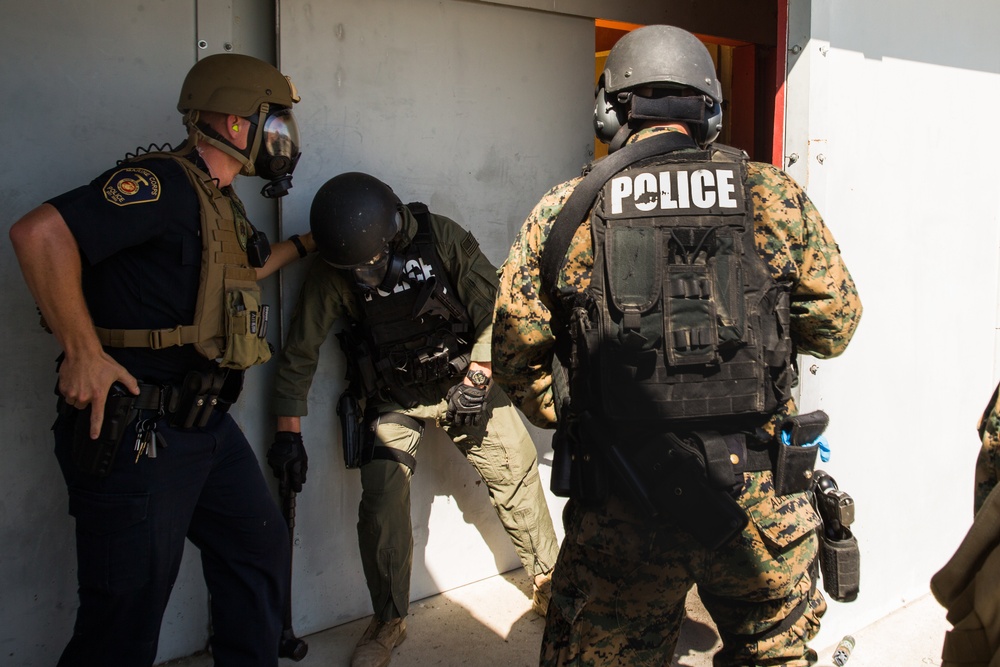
667	64
353	219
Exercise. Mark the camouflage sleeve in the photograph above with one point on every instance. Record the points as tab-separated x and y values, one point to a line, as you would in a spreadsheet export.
522	322
320	303
988	461
473	276
791	235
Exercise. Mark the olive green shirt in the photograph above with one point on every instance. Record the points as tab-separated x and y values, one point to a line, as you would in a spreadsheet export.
327	294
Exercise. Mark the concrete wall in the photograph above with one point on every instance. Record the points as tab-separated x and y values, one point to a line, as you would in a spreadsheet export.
888	109
477	108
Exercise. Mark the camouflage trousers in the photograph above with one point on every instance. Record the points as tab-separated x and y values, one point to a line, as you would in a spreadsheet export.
620	584
988	462
503	453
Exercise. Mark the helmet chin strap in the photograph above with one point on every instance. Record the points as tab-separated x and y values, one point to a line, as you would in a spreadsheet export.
200	132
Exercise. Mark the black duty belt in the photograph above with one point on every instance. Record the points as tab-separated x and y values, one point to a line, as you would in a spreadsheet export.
188	404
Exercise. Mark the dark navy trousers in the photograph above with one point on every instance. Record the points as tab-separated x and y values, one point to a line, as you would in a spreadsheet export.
204	485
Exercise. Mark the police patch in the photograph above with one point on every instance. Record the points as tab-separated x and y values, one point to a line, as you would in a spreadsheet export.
132	185
694	189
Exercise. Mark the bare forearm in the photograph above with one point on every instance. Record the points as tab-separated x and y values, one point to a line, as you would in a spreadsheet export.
293	424
284	253
50	262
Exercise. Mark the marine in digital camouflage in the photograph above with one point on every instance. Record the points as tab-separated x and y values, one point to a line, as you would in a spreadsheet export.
988	462
621	580
622	584
790	235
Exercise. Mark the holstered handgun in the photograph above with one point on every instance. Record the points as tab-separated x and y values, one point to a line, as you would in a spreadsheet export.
350	429
839	555
96	457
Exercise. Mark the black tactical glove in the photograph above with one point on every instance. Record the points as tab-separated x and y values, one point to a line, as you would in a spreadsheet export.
288	460
466	404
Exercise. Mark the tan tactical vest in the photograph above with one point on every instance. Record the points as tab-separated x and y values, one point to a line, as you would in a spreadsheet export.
229	316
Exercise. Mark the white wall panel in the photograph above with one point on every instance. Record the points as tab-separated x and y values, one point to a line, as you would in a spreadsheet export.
899	156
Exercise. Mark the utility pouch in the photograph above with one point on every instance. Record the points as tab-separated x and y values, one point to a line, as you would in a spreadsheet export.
797	449
196	399
678	489
668	482
95	457
840	565
246	328
350	429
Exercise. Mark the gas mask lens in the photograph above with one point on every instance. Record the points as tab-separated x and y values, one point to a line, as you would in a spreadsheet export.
281	134
372	273
278	153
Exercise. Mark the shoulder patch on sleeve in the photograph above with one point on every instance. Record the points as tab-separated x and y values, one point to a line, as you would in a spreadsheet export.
132	185
470	245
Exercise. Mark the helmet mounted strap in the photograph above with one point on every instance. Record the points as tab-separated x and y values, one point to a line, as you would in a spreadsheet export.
200	131
254	146
690	108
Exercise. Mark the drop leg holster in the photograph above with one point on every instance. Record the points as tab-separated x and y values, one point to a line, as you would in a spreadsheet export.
371	450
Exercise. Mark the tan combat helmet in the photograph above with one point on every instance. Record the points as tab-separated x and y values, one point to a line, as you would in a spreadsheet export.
253	89
236	84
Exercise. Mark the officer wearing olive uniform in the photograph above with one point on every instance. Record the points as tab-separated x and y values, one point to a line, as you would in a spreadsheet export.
417	294
657	330
147	277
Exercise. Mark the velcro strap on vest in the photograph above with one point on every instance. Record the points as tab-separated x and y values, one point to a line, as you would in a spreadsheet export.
156	339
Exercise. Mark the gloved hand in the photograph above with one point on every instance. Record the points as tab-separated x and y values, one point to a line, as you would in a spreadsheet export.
288	460
466	404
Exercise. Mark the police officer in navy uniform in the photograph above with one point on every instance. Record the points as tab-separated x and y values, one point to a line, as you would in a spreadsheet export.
147	278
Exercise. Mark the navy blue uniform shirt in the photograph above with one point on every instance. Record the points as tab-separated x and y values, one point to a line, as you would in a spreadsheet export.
138	226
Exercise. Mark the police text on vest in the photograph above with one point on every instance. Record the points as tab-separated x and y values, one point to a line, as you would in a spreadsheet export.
675	191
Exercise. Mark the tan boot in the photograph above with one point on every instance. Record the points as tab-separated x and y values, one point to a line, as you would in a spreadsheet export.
374	649
542	590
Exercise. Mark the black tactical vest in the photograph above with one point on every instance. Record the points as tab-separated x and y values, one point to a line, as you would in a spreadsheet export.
418	332
683	320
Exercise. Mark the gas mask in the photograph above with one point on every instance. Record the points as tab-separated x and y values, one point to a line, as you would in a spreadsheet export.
274	151
382	272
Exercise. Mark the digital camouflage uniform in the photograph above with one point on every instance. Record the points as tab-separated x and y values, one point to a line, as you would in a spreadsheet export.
619	588
500	449
988	463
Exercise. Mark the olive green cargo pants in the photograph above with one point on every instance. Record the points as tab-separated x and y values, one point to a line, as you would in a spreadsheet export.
505	457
